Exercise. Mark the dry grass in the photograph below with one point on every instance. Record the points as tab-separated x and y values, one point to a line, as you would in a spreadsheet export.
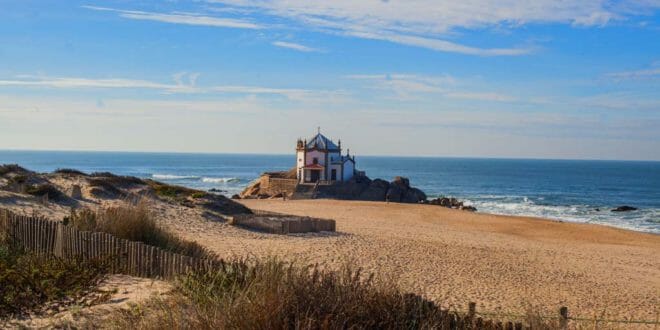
134	222
276	295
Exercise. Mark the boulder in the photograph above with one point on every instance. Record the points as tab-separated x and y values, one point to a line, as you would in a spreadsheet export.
414	195
452	203
236	196
395	193
624	208
401	182
376	191
468	208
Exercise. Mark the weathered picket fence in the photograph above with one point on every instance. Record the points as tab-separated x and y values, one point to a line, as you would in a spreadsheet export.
43	236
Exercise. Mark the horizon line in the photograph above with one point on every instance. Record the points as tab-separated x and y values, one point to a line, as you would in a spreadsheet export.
359	155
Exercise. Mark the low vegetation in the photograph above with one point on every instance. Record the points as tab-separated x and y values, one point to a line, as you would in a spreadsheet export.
134	222
11	168
172	191
28	281
45	189
276	295
69	171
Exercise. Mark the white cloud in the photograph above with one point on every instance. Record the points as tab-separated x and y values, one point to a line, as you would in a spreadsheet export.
407	86
180	85
639	74
181	18
295	46
426	23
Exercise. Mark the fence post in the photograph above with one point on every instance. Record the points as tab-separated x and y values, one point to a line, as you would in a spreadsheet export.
563	320
472	309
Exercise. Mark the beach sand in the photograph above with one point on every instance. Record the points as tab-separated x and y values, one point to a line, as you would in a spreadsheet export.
503	263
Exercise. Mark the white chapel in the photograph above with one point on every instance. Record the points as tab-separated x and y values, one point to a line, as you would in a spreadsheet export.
320	160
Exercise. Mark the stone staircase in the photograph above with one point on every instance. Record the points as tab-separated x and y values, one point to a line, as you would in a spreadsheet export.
304	191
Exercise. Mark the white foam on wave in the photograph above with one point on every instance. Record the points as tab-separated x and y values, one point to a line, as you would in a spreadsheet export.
173	177
647	220
220	180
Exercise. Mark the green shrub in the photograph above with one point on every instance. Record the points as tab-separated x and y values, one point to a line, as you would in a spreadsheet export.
171	191
199	194
28	281
11	168
69	171
44	190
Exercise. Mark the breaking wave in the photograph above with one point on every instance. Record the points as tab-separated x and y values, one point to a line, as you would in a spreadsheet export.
220	180
641	220
173	177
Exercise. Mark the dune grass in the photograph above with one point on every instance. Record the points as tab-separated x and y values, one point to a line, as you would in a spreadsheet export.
134	222
275	295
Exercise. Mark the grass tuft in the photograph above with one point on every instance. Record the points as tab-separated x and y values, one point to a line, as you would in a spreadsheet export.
134	222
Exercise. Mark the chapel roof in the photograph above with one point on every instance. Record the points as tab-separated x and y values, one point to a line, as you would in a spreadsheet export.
319	141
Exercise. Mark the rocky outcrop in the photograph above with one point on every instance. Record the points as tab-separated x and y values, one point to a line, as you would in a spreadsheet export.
452	203
358	188
624	208
376	190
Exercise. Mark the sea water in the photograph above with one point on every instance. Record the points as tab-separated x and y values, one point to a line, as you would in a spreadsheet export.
570	190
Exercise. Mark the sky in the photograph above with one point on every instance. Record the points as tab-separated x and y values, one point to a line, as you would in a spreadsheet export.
472	78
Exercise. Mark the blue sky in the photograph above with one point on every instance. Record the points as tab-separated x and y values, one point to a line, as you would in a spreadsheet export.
544	79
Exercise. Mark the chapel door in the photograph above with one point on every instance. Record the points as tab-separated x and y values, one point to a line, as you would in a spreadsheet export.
333	175
316	175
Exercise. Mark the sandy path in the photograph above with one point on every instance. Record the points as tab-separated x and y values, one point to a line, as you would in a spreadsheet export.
126	291
502	263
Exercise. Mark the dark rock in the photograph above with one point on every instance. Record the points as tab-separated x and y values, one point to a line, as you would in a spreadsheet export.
624	208
376	191
414	195
216	190
468	208
394	194
402	182
235	196
452	203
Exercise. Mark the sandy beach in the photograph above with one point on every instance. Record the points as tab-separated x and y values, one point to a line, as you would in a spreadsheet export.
503	263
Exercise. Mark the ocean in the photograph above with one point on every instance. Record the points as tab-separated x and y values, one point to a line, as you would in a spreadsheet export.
570	190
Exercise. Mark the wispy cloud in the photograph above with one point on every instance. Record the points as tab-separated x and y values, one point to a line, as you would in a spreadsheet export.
409	86
182	18
639	74
183	83
440	45
431	23
295	46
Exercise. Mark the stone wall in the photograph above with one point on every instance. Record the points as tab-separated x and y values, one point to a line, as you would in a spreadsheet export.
282	224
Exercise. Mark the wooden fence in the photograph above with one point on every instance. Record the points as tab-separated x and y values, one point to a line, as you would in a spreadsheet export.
43	236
